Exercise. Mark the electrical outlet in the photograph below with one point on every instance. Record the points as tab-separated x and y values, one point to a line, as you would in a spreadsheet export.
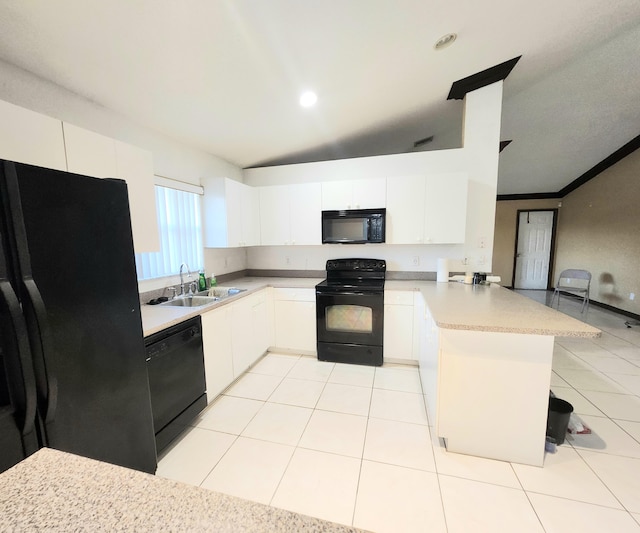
632	296
481	260
287	260
226	262
482	242
416	260
465	261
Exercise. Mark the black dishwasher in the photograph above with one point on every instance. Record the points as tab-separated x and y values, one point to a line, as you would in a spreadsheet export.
175	363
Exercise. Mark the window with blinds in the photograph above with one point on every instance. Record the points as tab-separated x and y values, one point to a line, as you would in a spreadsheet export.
180	227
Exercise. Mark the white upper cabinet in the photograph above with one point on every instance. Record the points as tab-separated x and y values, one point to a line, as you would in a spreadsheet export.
405	209
135	166
427	209
32	138
354	194
231	214
92	154
445	213
290	214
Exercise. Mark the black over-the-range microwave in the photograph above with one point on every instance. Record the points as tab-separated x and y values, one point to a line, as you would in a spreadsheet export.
353	226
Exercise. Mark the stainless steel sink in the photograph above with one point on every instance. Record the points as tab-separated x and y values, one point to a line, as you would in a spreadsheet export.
225	292
191	301
221	292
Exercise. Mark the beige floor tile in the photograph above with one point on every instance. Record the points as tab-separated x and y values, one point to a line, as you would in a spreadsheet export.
606	436
275	364
229	414
399	443
337	433
474	468
251	469
254	386
347	399
311	368
398	379
566	475
395	499
359	375
300	392
400	406
619	406
560	514
621	475
279	423
195	454
319	484
474	506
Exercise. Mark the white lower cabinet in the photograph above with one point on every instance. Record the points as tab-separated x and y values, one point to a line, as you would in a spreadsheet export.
295	319
234	337
399	318
249	331
218	352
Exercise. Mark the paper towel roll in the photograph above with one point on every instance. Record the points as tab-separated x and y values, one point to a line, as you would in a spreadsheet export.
442	274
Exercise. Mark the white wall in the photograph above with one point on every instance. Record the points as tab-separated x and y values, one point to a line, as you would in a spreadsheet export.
478	158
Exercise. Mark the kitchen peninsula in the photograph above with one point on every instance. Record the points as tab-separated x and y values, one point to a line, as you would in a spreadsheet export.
485	365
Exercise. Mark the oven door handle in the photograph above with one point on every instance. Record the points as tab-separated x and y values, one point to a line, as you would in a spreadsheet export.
351	293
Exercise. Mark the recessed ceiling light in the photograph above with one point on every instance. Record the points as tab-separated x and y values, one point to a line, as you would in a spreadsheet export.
308	99
445	41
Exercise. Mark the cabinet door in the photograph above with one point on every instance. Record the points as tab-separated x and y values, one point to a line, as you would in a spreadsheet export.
135	166
32	138
305	213
405	209
216	342
337	195
242	335
295	325
369	193
446	208
398	332
233	199
260	323
275	226
250	216
89	153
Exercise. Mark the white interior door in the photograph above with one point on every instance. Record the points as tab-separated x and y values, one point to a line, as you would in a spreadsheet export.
535	229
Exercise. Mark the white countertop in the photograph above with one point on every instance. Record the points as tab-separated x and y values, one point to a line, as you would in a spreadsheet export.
58	491
452	305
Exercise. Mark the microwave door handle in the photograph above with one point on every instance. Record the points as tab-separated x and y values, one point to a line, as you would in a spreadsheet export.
367	224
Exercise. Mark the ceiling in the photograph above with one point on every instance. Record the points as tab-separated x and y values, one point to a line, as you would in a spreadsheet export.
225	75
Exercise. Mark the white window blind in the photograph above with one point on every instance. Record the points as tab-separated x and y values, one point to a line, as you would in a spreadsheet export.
180	227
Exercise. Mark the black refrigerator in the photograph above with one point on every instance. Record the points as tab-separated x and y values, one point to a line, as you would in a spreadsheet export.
72	358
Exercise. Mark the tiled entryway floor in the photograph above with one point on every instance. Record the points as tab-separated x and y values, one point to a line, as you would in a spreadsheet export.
353	445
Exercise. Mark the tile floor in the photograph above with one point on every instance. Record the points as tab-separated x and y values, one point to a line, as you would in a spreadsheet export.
353	445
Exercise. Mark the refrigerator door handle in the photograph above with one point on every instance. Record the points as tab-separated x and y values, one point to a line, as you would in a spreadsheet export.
41	344
19	369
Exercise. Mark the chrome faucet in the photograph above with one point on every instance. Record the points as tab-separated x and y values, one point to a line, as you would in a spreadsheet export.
184	265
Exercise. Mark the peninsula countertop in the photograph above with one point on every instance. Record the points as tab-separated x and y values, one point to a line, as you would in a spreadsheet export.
58	491
493	308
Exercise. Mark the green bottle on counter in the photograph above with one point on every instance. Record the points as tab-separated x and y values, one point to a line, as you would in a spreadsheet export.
202	282
214	282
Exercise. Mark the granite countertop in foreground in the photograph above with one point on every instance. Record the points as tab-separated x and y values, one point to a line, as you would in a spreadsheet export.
58	491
